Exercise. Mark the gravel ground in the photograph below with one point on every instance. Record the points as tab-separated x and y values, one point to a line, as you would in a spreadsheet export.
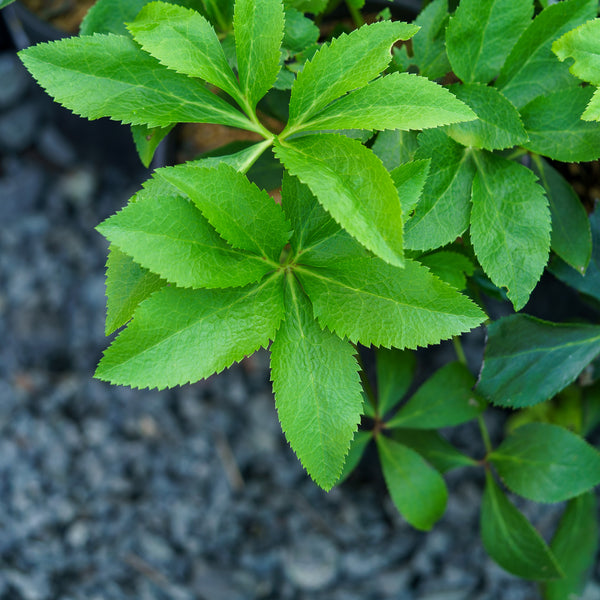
188	494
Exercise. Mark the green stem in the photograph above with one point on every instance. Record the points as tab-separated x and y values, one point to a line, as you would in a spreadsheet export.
355	14
517	154
485	434
252	158
460	353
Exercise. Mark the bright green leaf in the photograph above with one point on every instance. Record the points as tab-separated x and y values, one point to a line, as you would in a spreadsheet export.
443	212
417	490
446	398
184	41
546	463
592	112
510	539
396	101
327	163
574	544
498	123
347	63
111	76
317	389
583	45
169	236
147	140
451	267
180	336
510	225
528	360
553	123
481	35
435	449
127	284
395	371
571	237
372	302
409	179
531	68
395	147
258	26
244	215
357	449
429	43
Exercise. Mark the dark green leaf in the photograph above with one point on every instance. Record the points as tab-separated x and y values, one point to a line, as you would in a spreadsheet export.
395	147
546	463
417	490
300	32
110	16
528	360
409	179
583	45
147	139
395	371
510	539
357	449
429	43
451	267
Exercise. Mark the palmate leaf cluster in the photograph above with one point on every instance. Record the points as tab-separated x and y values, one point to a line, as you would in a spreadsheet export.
398	195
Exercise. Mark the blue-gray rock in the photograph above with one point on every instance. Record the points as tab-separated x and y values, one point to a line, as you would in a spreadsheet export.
18	127
311	563
15	79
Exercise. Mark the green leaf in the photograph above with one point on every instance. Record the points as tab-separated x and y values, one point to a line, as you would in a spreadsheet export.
170	237
239	160
327	164
571	236
110	16
317	389
417	490
553	123
4	3
110	76
372	302
575	544
409	180
395	372
446	398
510	539
244	215
311	223
127	284
592	112
147	139
481	35
590	283
443	212
546	463
314	7
184	41
510	225
528	360
258	26
395	147
451	267
531	68
498	123
357	449
180	336
429	43
347	63
583	45
396	101
434	448
591	408
300	32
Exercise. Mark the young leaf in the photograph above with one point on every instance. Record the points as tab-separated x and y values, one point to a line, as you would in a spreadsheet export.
510	225
409	179
417	490
592	112
127	284
546	463
451	267
571	237
498	123
372	302
396	101
395	147
435	449
528	360
180	336
553	123
481	35
583	45
347	63
327	163
429	43
317	389
258	26
244	215
574	544
170	237
184	41
510	539
395	371
147	139
442	214
446	398
357	449
110	76
531	68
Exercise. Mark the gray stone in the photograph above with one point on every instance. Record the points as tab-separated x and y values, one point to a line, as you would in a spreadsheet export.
31	586
14	78
312	563
591	591
18	127
54	147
